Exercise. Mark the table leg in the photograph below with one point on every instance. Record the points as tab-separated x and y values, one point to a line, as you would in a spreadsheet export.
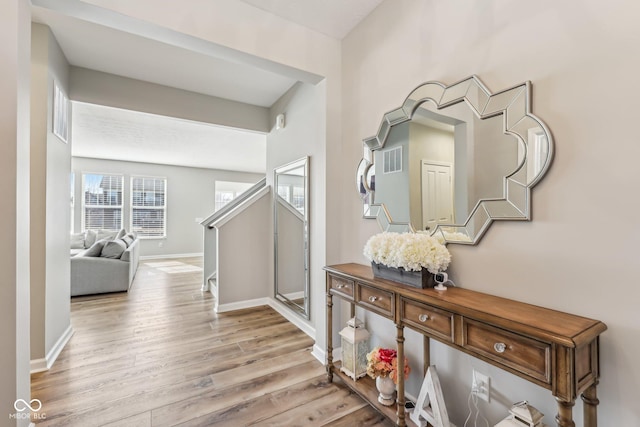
590	399
400	386
426	351
565	413
329	337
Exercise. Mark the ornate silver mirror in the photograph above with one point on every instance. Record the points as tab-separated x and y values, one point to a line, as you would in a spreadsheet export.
291	228
452	159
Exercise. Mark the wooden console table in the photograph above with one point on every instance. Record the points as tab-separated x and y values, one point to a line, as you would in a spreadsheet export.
556	350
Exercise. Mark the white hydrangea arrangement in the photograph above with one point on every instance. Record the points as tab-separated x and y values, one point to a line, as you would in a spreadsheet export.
411	251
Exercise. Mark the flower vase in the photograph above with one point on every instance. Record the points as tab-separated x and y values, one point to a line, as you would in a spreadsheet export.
417	279
386	389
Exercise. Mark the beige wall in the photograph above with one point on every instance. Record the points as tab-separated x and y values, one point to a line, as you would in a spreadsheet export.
99	88
579	254
50	166
245	234
303	135
38	155
15	39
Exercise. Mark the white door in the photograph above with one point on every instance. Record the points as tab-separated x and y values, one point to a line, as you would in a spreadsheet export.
437	194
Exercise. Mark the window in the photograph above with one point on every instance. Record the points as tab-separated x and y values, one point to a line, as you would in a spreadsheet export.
292	192
226	191
223	198
102	202
298	198
148	206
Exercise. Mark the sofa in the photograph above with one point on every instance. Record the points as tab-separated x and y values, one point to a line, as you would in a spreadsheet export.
103	261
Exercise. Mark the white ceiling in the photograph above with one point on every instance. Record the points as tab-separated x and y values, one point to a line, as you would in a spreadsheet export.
109	50
113	134
334	18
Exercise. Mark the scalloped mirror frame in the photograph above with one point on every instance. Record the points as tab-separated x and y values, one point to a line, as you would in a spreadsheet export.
514	105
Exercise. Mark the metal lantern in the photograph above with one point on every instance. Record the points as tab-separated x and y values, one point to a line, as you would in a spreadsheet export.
355	346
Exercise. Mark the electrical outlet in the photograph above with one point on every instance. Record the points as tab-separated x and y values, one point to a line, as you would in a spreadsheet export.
481	385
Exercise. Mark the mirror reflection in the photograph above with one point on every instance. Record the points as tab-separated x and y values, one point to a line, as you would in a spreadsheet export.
452	159
291	228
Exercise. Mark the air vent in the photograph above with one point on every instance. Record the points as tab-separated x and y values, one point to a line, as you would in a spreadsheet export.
392	160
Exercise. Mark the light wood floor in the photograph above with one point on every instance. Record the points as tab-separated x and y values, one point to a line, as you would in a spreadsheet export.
160	356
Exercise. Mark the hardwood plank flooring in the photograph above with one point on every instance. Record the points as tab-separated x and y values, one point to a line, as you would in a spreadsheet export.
159	356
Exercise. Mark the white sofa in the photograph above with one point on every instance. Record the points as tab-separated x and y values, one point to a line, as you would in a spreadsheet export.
108	264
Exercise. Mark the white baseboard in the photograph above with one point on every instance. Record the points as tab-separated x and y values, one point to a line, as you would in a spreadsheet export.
321	354
40	365
277	306
147	257
58	346
294	295
293	318
223	308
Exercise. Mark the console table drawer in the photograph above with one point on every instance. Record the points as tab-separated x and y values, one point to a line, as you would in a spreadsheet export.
382	302
429	319
528	356
342	286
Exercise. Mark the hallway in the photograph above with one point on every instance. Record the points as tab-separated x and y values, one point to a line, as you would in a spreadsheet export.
160	356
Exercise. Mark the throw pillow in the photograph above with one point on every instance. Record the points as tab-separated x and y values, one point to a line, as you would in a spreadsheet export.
113	249
77	241
128	239
106	234
95	250
90	238
121	234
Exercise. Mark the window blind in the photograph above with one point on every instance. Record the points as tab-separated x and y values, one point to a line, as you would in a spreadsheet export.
148	206
102	202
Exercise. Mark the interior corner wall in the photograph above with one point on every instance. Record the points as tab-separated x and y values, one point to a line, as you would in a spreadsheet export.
304	108
579	252
190	198
15	41
50	208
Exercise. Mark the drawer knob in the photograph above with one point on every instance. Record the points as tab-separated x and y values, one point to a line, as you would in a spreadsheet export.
373	299
423	317
500	347
339	286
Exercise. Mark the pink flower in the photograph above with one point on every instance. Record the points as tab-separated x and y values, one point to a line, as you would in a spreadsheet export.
387	355
383	362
